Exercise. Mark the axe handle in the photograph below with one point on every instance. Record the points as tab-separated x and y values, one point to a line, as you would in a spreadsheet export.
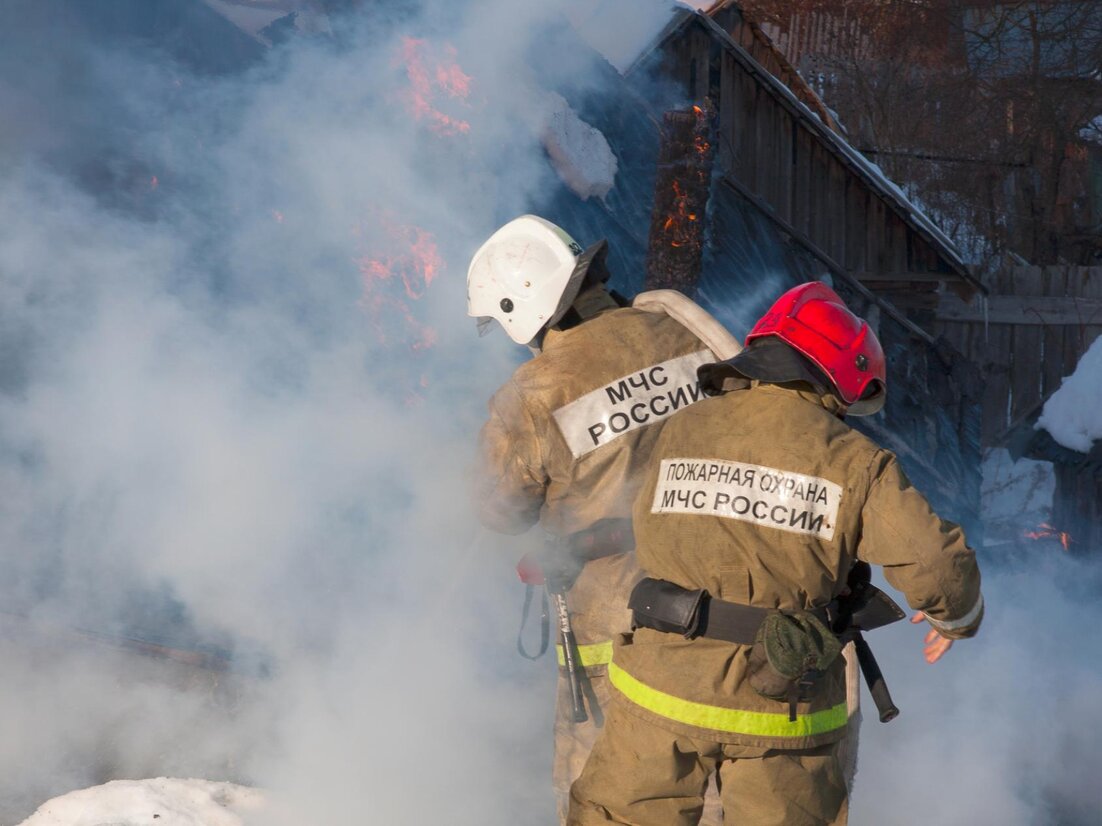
569	650
875	680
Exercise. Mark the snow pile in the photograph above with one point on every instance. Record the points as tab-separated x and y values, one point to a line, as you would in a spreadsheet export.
164	801
580	153
1073	415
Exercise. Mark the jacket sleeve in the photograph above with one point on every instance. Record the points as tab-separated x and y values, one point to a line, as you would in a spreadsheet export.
923	555
511	483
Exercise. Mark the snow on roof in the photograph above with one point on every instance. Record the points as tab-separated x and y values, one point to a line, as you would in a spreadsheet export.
165	801
1073	414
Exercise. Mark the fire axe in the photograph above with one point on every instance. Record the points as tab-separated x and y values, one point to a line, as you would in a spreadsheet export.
550	569
865	608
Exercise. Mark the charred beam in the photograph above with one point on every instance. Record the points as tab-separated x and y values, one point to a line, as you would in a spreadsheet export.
686	156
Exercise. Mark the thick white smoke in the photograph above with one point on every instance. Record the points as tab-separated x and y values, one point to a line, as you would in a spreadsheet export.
240	398
207	417
1002	729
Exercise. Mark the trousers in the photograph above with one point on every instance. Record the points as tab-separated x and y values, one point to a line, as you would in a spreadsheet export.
639	774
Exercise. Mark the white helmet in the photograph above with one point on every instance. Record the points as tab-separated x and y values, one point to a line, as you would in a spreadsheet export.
526	276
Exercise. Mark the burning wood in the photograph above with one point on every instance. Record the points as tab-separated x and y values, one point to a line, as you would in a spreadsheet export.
430	80
405	254
682	187
1046	531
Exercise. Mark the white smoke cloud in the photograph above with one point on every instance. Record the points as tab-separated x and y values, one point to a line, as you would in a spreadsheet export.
209	421
1000	730
206	422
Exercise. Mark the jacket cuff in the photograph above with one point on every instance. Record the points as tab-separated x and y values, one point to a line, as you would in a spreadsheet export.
965	626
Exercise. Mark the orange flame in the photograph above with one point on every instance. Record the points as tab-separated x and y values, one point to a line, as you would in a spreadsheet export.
427	84
410	256
1048	532
677	224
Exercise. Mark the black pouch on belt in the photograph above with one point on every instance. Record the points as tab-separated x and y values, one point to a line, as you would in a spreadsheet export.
664	606
790	653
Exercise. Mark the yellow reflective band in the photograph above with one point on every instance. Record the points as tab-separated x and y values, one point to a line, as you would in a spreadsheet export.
759	723
600	653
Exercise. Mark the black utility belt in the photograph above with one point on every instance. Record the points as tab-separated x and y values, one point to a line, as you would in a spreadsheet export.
665	606
790	650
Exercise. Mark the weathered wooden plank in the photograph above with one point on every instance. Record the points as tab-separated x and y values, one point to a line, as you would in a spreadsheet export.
913	275
1091	279
909	297
1025	392
763	149
819	179
728	127
801	195
899	258
997	364
856	206
1075	336
1052	367
875	236
783	133
996	390
701	58
955	334
767	120
1024	310
744	118
837	207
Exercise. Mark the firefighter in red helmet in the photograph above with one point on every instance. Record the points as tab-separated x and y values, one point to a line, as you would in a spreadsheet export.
750	536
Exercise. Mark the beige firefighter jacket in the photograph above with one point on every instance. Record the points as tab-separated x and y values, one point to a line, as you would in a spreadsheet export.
764	496
569	436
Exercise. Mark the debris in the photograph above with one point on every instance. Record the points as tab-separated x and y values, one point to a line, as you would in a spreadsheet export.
579	152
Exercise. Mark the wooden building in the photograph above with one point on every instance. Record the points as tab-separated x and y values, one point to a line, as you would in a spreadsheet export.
786	200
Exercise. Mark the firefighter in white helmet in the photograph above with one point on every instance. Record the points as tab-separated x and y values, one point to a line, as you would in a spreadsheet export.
571	432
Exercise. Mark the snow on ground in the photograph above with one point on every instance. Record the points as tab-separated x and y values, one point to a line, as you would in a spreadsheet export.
163	801
1073	414
580	153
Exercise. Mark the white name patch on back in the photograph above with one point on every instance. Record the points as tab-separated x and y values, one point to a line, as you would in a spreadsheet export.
751	493
631	402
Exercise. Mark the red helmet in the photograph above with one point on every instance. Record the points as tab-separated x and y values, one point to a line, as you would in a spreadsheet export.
812	319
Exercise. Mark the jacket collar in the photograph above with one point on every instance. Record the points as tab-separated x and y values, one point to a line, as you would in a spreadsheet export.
828	401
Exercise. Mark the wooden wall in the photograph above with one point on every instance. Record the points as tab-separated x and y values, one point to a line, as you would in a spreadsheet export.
777	150
1037	323
1077	508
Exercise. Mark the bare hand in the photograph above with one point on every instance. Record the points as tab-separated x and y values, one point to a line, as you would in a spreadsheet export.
936	645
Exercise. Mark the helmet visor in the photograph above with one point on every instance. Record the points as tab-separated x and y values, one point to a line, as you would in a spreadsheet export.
482	323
